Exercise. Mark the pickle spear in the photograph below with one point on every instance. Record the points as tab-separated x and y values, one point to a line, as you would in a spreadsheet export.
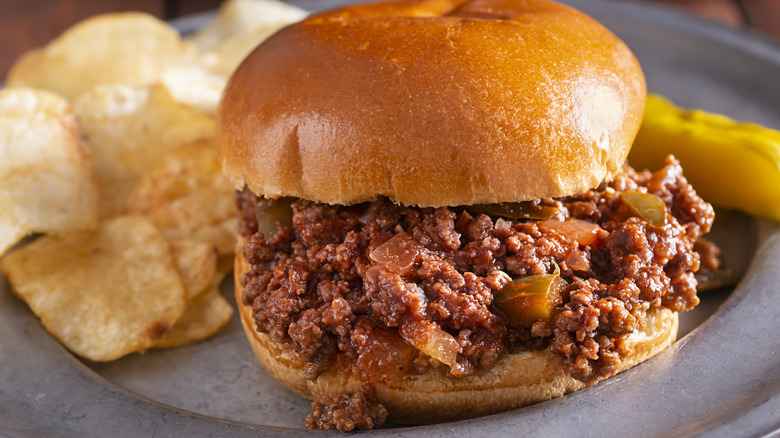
730	164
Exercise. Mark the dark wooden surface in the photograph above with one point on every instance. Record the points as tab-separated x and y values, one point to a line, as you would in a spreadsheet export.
26	24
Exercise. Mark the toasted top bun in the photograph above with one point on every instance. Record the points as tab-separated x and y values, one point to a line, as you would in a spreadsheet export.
433	103
515	380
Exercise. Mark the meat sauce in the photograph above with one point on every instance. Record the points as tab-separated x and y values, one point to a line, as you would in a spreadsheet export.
396	289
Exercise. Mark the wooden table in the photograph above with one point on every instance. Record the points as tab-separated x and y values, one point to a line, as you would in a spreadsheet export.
31	23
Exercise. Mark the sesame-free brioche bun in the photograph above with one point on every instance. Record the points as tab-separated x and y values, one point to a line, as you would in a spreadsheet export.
515	380
433	103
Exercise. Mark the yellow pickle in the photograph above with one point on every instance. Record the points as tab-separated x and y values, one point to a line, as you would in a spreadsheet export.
731	164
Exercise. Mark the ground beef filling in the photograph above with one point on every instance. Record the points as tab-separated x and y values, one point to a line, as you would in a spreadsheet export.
347	412
401	288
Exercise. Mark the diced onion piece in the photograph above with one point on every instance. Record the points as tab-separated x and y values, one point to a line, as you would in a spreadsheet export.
582	232
384	353
578	261
429	338
398	254
278	212
529	299
515	210
647	206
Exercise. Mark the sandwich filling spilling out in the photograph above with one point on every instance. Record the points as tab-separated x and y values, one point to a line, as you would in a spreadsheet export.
392	289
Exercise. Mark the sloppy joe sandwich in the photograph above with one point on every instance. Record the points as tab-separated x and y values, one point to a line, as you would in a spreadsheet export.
436	218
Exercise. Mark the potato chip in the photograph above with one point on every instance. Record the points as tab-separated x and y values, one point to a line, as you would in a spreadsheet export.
228	56
187	197
225	264
47	180
103	294
130	128
206	311
129	48
236	17
206	314
195	86
239	27
197	263
220	234
27	70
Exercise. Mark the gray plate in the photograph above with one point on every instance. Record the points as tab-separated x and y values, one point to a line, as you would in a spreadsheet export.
722	378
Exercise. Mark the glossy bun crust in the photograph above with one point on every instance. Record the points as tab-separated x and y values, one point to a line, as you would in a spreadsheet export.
435	396
433	103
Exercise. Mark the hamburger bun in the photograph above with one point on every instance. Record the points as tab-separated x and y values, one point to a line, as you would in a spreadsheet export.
504	101
515	380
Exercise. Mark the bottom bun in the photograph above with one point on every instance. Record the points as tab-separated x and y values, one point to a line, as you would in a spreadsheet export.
515	380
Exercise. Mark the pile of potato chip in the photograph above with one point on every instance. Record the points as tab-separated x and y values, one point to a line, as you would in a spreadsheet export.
108	159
